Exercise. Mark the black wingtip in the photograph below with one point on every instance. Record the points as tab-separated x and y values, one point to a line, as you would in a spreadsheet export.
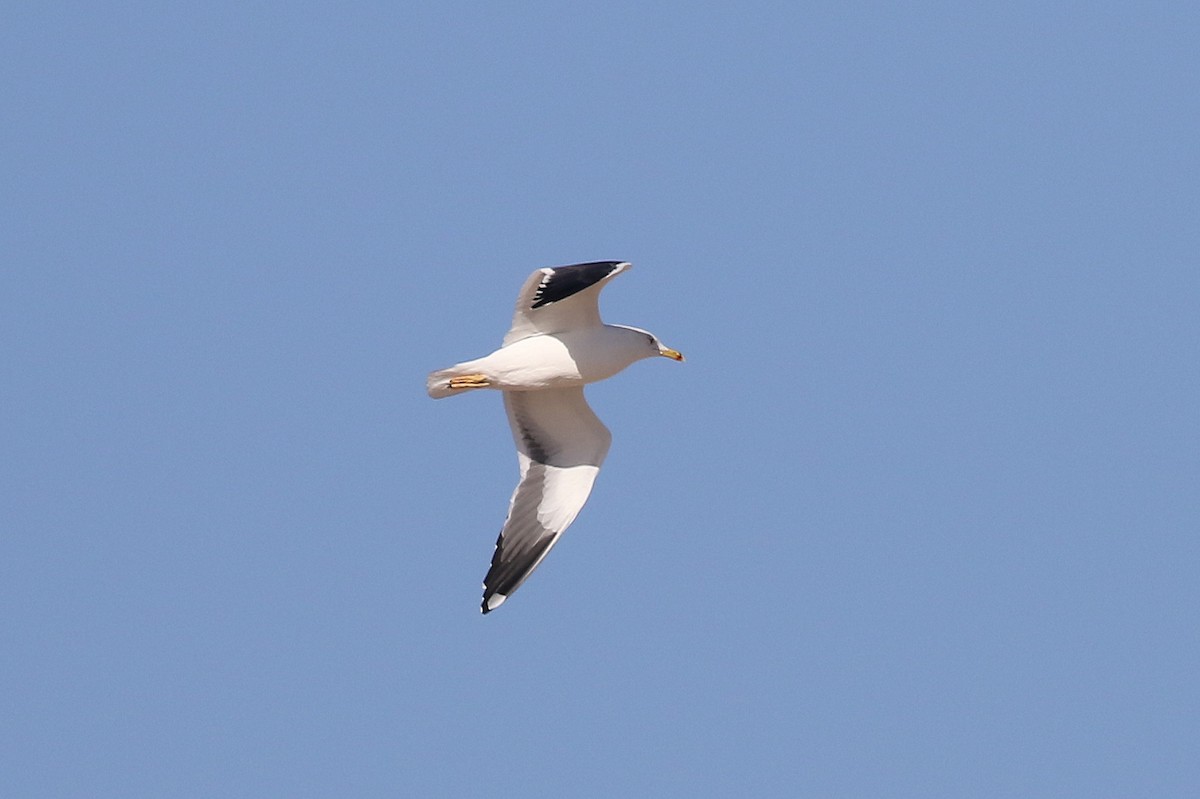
565	281
491	601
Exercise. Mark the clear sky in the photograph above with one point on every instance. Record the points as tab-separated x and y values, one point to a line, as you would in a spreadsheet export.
917	517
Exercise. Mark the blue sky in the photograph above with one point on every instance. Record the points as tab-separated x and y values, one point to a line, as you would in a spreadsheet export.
918	517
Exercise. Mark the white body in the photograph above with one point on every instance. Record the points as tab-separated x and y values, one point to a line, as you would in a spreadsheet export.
553	360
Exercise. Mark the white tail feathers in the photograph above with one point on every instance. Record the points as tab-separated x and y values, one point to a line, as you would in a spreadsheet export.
438	383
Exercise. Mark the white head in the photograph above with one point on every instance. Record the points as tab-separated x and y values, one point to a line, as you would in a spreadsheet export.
653	345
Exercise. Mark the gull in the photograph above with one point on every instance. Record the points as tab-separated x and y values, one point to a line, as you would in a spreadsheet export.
556	345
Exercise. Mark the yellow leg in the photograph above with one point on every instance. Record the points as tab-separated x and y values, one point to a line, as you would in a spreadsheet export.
469	381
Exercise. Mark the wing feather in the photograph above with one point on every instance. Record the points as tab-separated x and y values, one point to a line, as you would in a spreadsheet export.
561	298
561	444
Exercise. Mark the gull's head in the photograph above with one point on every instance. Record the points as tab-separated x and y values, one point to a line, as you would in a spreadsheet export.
653	345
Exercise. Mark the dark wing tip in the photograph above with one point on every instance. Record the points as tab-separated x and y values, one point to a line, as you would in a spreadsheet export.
510	568
491	601
565	281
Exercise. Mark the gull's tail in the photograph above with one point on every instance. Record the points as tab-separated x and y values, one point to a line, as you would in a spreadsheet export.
438	383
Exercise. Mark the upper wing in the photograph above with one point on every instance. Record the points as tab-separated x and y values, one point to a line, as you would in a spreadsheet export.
559	298
560	446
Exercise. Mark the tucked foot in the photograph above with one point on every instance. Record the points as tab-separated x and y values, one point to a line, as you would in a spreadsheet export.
469	381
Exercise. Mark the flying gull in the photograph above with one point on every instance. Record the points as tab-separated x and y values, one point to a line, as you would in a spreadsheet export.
556	345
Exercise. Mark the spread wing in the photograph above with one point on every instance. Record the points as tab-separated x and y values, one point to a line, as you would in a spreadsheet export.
559	298
560	446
